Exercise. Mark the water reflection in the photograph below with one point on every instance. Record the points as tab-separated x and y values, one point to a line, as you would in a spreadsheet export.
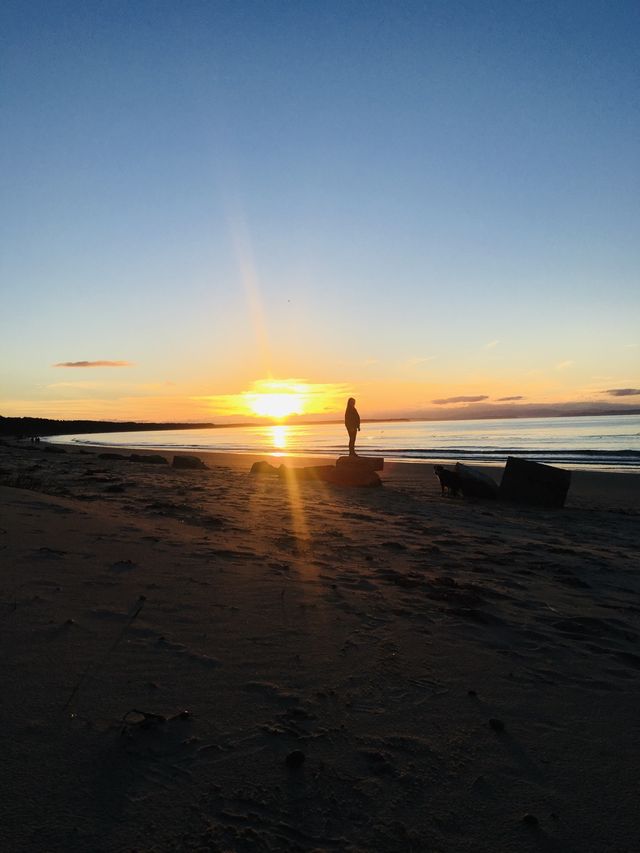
279	436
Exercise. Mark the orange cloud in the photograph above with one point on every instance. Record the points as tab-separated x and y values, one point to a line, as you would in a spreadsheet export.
471	399
93	364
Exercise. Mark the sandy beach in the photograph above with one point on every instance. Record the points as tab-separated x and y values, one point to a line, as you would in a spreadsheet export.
203	660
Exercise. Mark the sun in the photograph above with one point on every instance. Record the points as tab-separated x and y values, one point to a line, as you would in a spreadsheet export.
278	405
277	398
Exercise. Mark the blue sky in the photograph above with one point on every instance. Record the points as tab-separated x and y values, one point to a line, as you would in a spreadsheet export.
415	200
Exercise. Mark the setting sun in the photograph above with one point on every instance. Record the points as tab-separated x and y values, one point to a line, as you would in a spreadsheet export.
276	405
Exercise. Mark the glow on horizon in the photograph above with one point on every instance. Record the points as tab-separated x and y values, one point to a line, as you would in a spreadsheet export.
280	398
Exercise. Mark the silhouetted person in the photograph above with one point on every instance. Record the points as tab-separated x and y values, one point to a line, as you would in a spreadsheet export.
352	423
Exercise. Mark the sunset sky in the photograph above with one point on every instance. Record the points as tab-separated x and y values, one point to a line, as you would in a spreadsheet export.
430	206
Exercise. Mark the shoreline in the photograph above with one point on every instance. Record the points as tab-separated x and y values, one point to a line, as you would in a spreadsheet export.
320	458
589	488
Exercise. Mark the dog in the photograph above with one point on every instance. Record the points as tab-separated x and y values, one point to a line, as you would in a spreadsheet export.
448	479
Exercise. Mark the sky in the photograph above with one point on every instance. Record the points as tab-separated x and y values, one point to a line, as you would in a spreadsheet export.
432	206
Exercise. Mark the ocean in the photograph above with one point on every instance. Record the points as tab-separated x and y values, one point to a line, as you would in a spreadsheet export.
608	442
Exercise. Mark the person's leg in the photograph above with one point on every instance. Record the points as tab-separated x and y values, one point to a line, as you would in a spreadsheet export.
352	442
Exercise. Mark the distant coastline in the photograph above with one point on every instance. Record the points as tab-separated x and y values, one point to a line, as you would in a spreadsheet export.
28	427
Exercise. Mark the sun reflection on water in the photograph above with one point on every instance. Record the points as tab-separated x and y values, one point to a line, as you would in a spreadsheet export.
279	436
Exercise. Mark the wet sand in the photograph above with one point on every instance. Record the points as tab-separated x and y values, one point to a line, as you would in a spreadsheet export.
205	660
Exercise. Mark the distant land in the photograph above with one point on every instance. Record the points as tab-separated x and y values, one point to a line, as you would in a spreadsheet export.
28	427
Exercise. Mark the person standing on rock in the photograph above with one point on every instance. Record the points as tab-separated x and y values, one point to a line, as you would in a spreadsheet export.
352	423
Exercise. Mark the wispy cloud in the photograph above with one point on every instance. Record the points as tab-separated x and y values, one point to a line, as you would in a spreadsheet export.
470	399
81	386
491	344
508	399
418	360
562	365
93	364
622	392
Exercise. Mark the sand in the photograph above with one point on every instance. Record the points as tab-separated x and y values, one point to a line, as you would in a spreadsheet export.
320	668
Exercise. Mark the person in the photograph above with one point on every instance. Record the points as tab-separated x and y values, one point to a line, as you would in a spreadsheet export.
352	423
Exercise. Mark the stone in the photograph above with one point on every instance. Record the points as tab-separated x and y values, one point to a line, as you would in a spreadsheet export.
295	759
524	481
264	468
353	462
148	459
188	462
496	725
474	483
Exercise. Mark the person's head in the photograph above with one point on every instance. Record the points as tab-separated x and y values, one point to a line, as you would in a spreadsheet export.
351	401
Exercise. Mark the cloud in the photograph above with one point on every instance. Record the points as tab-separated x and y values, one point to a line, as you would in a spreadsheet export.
418	360
93	364
508	399
491	344
622	392
475	399
562	365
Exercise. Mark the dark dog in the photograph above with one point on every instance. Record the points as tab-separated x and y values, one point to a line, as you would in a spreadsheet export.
448	479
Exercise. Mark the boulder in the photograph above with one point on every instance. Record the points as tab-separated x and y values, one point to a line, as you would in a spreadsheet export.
264	468
190	462
524	481
345	475
475	483
324	473
148	459
353	462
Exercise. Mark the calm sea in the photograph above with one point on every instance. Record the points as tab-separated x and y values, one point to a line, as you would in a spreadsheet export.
606	442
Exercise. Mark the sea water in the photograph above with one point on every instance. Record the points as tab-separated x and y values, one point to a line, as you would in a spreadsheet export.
608	442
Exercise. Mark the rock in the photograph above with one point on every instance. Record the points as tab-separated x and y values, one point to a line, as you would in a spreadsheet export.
530	819
295	759
324	473
372	463
111	456
148	459
474	483
529	482
190	462
264	468
496	725
53	448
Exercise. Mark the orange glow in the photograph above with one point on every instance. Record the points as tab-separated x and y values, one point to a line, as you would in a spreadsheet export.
276	405
280	398
279	437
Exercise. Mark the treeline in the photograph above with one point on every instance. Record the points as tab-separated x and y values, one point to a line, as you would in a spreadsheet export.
31	427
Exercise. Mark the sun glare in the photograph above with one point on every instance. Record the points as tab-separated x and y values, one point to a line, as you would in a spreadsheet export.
278	405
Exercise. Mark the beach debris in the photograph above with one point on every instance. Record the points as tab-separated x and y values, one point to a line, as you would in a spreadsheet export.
496	725
295	759
475	483
188	462
524	481
148	458
96	664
